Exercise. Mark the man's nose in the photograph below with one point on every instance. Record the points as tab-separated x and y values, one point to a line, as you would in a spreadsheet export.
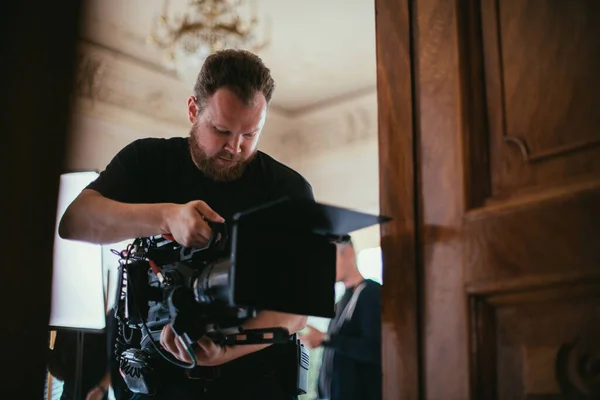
234	144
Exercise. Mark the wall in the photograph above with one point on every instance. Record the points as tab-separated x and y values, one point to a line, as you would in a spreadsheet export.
335	148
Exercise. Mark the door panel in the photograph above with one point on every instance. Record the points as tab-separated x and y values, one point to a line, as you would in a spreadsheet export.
509	205
506	195
552	232
536	338
541	64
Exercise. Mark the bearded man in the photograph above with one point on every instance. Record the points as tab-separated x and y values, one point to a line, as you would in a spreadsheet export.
174	186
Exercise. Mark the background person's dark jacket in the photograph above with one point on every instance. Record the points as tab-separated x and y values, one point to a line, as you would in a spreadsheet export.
356	368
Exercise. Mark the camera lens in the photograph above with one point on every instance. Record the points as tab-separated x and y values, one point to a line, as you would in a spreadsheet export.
214	283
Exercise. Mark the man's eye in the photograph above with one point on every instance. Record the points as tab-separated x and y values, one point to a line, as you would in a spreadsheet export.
248	135
220	131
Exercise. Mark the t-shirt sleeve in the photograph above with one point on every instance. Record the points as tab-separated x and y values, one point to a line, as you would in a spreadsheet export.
303	190
295	186
125	178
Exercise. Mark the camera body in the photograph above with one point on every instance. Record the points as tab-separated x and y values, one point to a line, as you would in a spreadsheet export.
162	283
278	257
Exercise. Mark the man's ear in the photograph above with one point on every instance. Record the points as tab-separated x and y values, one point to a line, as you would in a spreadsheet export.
192	109
349	252
345	251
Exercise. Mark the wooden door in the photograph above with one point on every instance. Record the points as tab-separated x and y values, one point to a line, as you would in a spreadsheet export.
506	186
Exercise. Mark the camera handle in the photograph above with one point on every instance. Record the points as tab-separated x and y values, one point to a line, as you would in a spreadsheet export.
216	242
256	336
218	236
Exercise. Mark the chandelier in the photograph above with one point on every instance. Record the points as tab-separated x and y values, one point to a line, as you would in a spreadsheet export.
208	26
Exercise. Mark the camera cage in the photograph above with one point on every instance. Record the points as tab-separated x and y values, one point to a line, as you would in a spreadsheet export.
279	256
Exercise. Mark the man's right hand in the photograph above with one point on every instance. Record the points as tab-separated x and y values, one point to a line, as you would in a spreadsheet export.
187	223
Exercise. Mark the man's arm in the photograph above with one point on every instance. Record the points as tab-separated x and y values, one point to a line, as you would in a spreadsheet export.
94	218
100	390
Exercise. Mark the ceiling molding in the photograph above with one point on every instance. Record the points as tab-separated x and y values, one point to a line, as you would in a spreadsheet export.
106	76
127	120
274	107
142	63
354	123
328	103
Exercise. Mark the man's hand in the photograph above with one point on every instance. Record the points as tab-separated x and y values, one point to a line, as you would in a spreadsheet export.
207	352
187	223
96	393
313	338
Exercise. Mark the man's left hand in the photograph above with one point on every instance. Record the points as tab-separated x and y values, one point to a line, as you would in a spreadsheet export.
96	393
207	353
312	338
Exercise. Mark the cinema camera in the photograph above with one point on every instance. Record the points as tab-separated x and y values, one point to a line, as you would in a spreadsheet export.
278	257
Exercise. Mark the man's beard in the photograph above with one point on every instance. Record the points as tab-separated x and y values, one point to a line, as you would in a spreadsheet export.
209	166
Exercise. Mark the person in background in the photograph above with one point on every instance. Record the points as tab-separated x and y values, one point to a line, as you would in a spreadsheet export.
99	369
351	364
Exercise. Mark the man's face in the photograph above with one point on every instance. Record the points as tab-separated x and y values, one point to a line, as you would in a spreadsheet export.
345	261
340	262
225	134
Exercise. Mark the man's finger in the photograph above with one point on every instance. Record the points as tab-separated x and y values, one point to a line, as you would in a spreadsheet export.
204	344
162	337
208	212
167	339
203	233
182	350
197	239
168	236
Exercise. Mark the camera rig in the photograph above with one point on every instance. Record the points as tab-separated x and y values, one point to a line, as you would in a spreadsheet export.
278	257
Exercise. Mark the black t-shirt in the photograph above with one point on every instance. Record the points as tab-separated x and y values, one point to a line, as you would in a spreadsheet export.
154	170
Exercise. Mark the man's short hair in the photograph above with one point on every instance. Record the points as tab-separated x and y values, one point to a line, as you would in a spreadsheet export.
240	71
